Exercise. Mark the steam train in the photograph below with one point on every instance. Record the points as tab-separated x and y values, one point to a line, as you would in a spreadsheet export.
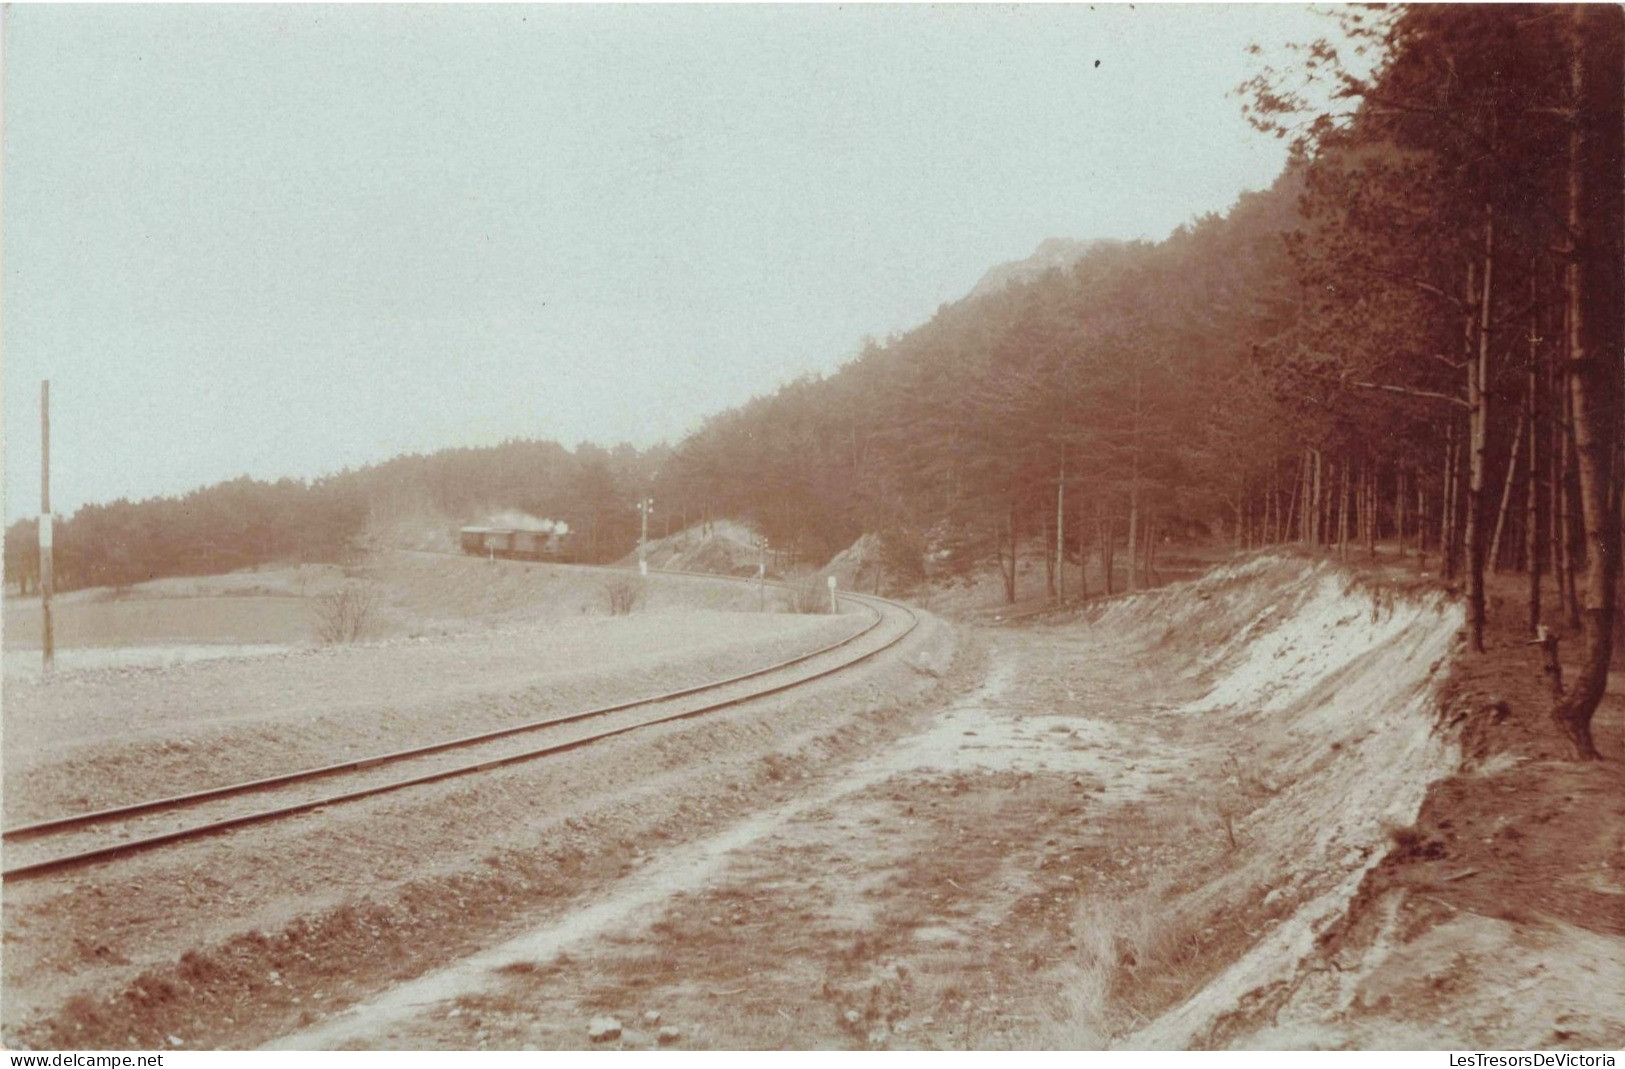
516	545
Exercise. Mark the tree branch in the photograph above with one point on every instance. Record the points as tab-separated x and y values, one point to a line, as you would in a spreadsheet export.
1409	392
1517	314
1424	286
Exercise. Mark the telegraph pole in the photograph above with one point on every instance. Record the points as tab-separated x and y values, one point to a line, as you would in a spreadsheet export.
45	531
643	539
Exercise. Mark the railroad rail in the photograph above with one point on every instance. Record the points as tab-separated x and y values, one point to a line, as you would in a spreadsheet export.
120	831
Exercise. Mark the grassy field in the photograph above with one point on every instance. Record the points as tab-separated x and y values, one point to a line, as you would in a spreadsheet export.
253	619
410	595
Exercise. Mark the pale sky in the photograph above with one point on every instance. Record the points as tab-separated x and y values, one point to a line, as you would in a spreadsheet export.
286	240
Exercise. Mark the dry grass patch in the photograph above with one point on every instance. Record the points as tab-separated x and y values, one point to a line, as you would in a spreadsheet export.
624	594
348	613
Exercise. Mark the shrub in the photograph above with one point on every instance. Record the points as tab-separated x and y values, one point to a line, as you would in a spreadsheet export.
625	593
807	596
346	613
902	556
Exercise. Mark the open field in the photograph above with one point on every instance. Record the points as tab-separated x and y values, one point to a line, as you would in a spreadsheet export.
253	620
176	621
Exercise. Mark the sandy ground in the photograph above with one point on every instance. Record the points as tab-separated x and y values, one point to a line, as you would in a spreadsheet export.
1087	850
1497	919
213	942
1060	855
1271	808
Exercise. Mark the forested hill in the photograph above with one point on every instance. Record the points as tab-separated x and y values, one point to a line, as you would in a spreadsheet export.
1052	254
248	522
1133	369
1415	337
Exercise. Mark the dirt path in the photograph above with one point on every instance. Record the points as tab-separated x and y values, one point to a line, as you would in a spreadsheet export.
976	736
1056	859
831	837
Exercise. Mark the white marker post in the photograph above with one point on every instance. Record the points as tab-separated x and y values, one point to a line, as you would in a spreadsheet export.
833	607
643	538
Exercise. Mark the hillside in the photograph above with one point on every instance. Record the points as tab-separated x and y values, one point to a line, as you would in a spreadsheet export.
408	502
1052	254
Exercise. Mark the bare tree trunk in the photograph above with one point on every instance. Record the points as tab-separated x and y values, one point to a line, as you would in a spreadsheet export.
1357	510
1008	556
1272	507
1306	512
1133	534
1371	512
1506	498
1049	560
1532	496
1595	413
998	548
1294	510
1421	524
1556	542
1060	532
1368	512
1150	547
1447	515
1104	521
1478	436
1266	512
1362	506
1083	560
1399	511
1343	511
1320	528
1563	482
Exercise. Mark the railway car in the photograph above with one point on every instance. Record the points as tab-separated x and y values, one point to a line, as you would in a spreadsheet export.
515	545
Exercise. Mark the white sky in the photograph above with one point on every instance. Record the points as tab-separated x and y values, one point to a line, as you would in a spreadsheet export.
286	240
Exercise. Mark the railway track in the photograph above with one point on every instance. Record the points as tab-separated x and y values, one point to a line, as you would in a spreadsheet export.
74	841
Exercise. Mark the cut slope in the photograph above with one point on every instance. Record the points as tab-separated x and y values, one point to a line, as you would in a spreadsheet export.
722	547
1409	866
1317	733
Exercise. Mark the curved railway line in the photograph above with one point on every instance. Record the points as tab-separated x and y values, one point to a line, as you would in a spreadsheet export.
73	841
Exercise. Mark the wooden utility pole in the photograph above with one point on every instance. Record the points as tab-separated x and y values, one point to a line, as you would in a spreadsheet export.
45	532
644	505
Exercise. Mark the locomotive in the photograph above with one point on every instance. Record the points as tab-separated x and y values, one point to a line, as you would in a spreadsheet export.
551	545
